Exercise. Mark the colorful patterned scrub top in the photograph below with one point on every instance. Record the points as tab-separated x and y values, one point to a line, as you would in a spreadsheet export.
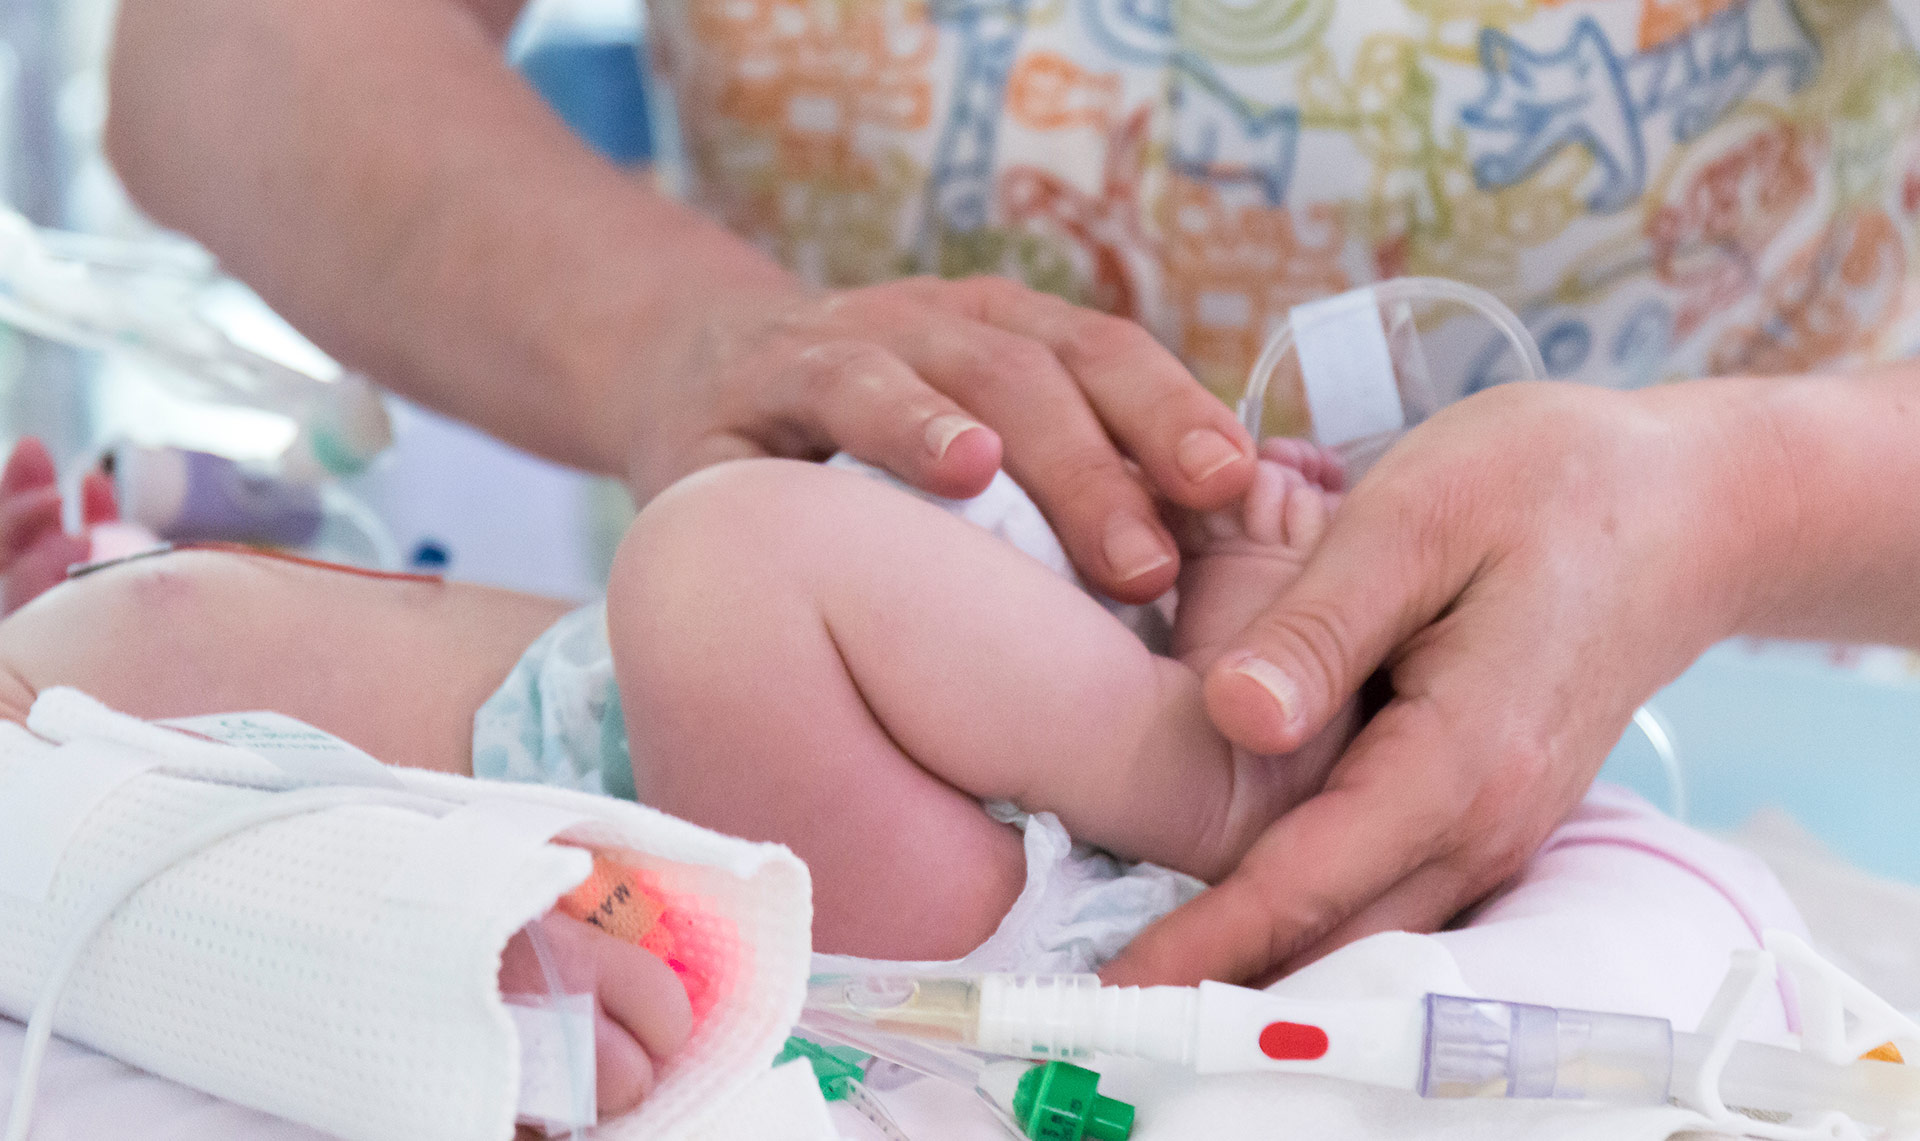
1662	188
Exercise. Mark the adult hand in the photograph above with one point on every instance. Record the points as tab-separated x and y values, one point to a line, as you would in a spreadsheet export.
1529	566
932	379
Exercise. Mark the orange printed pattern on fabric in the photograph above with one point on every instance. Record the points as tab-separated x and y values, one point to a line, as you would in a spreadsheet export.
814	83
1048	92
1661	188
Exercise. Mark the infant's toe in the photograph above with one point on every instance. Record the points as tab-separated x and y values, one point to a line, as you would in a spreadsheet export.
1321	466
1262	510
1305	516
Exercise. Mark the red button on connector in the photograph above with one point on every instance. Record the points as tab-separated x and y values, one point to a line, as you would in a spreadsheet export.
1293	1042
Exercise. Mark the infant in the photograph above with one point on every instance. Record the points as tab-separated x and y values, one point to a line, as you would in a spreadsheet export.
808	655
802	654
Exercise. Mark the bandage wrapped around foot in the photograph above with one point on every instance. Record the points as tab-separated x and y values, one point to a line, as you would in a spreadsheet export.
325	940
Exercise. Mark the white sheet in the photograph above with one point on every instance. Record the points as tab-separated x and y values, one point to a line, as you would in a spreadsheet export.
1871	925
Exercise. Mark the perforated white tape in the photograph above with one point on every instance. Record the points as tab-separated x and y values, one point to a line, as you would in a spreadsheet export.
470	850
556	1036
307	755
1347	368
44	798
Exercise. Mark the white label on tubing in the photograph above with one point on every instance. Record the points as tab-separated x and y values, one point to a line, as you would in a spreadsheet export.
1347	368
310	756
45	797
557	1085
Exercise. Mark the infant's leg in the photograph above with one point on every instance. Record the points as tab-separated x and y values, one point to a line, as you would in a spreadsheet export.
811	656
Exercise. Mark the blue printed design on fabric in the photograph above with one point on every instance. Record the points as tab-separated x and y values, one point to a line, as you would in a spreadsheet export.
1219	135
960	182
1586	94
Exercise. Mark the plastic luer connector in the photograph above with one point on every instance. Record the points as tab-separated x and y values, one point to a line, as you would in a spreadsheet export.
1481	1048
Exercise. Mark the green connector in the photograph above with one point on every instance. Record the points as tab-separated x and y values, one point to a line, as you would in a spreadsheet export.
833	1066
1056	1102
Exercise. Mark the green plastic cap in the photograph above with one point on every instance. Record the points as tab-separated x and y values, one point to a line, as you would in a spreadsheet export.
833	1066
1057	1102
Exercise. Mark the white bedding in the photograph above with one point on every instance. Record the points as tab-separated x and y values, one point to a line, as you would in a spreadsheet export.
1870	925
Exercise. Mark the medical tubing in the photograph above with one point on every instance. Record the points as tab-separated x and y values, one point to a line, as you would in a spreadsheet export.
224	547
282	806
1479	1047
355	516
1659	736
583	1109
1397	290
1073	1016
1772	1079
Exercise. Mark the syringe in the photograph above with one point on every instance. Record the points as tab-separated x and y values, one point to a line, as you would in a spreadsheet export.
1435	1045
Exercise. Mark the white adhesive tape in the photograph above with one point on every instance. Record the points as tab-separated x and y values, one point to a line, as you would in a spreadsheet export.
45	797
1347	368
553	1033
307	755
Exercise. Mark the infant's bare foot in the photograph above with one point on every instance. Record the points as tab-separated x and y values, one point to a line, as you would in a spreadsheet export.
641	1013
1237	562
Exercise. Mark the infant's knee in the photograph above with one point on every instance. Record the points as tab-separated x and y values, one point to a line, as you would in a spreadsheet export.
701	560
704	521
725	525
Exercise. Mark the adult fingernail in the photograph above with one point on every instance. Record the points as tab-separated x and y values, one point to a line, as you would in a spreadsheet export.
1273	679
1133	548
1203	452
944	429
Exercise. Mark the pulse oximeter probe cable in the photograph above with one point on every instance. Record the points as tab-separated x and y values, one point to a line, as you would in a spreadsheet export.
1436	1045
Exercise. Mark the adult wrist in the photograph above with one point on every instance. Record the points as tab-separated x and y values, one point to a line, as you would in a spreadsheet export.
638	321
1842	552
1739	520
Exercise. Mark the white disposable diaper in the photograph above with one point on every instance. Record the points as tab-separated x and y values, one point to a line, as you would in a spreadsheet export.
338	968
1077	909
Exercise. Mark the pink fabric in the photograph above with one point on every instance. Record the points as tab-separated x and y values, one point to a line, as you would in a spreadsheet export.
1625	909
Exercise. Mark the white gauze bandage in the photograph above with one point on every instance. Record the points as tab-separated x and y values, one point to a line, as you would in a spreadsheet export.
338	967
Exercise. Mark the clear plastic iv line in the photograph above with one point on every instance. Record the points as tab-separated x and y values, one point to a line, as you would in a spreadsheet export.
580	1071
148	300
1398	291
1436	1045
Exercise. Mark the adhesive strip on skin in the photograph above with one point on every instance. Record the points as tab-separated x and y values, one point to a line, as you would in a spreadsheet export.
1347	368
43	802
307	755
497	832
553	1037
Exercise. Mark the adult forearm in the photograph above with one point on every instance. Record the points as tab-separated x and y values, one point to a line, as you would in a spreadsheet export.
1843	560
375	170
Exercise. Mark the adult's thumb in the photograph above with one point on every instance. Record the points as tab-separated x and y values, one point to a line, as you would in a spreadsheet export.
1362	594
